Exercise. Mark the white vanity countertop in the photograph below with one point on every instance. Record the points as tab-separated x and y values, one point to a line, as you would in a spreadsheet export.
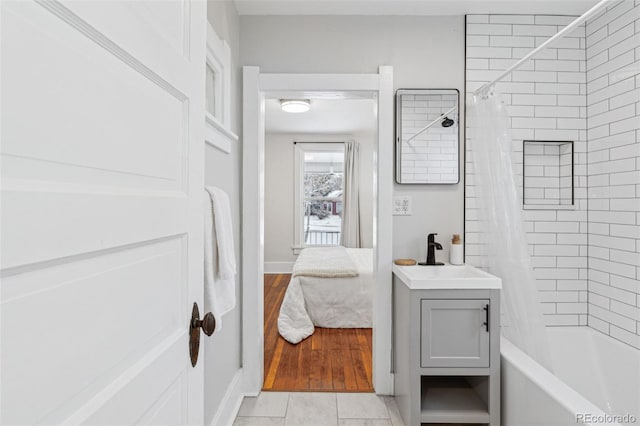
446	277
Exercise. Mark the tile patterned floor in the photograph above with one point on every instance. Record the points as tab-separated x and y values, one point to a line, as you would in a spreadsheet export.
318	409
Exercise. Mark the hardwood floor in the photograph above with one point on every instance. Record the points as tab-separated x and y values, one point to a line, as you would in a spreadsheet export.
331	360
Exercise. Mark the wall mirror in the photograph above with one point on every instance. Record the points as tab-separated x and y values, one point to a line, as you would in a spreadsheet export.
427	136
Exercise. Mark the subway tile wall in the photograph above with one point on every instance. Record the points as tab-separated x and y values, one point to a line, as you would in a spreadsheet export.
586	89
547	99
613	133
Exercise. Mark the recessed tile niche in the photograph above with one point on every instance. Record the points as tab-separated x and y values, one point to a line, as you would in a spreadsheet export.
548	174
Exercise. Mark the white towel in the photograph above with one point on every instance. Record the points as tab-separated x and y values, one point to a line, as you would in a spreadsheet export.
219	254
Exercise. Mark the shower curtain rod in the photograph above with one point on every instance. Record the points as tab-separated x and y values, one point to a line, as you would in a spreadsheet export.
578	21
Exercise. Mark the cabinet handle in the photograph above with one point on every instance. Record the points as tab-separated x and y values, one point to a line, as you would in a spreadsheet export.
486	316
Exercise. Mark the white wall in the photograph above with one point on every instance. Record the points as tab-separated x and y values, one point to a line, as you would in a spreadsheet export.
613	105
425	52
279	192
547	101
222	351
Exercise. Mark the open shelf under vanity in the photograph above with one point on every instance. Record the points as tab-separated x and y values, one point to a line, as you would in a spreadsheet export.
454	399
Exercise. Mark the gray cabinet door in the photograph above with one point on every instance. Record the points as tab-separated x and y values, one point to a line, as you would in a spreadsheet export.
454	333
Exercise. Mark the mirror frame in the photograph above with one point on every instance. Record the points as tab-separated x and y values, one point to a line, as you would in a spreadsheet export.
398	135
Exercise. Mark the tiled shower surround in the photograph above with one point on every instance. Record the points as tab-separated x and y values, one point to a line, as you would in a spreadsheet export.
613	134
547	103
585	89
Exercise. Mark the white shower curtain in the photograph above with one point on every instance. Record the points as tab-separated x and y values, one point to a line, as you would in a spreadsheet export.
351	236
501	221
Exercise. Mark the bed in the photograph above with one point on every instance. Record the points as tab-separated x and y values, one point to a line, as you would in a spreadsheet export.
330	287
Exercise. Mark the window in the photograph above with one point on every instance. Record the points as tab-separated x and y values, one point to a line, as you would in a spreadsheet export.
318	188
217	115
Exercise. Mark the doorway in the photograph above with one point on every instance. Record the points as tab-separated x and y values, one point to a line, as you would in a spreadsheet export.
257	88
319	195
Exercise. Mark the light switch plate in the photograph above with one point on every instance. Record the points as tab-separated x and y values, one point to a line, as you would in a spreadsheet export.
402	206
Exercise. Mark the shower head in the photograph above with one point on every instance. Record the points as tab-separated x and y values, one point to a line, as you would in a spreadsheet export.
447	122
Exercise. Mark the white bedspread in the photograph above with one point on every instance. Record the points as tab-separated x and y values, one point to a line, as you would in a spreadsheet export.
344	302
325	262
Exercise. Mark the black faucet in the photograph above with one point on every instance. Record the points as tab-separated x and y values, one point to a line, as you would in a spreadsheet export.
432	246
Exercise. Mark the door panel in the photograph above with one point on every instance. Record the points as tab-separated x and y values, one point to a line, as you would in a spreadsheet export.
101	211
86	315
92	111
83	222
454	333
162	30
159	389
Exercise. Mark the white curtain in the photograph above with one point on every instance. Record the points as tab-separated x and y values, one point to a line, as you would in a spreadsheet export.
500	215
351	235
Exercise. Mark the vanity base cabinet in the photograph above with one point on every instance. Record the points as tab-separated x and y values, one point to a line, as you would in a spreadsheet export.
447	355
454	332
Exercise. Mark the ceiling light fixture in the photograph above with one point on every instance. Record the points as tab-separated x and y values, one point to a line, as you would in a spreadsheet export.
295	105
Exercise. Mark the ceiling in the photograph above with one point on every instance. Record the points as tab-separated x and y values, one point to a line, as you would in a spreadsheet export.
337	116
411	7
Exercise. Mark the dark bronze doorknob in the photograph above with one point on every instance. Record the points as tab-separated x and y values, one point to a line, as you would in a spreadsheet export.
208	323
208	326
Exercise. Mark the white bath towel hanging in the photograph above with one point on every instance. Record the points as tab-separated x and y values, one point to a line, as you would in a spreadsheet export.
219	254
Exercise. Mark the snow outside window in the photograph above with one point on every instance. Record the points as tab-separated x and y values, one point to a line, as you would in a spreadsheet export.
318	187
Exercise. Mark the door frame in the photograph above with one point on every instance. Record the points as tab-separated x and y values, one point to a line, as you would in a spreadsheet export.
256	87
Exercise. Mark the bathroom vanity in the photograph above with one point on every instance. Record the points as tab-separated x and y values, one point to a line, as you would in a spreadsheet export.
446	344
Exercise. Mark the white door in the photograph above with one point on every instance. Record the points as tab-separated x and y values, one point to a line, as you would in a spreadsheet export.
102	180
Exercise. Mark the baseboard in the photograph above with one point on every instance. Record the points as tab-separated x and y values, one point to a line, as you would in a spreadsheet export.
278	267
384	384
390	390
230	404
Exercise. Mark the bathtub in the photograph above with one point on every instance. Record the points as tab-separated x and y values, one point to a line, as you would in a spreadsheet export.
596	381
